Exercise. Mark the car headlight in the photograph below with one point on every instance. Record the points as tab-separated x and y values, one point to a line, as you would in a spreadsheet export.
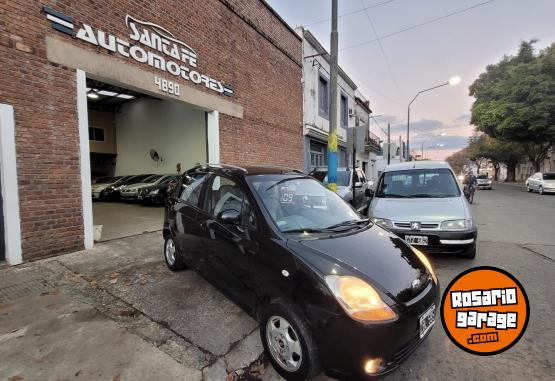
424	260
383	222
155	191
457	224
360	300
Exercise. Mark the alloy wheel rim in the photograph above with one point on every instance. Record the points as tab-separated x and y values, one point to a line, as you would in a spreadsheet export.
283	343
170	251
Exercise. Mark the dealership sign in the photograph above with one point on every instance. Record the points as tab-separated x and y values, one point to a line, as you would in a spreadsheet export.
147	43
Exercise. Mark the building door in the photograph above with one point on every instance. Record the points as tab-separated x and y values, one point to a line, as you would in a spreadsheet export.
2	235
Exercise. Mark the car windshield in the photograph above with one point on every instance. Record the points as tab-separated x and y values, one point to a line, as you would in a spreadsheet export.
298	204
343	177
418	183
549	176
482	177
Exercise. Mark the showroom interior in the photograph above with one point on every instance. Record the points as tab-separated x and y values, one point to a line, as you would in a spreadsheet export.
132	133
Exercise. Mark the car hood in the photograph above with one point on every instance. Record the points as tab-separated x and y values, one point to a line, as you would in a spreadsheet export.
420	209
135	186
99	187
375	255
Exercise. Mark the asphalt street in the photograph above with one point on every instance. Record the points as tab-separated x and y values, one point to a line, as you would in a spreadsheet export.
517	234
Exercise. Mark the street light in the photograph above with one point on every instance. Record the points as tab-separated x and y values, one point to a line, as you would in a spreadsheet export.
451	82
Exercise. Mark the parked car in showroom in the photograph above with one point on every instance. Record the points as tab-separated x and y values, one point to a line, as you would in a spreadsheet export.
483	181
330	289
112	192
346	179
100	185
155	194
541	182
130	192
422	202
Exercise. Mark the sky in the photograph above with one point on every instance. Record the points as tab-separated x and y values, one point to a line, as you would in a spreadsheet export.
390	68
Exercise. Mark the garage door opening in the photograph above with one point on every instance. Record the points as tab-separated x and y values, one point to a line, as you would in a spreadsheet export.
138	143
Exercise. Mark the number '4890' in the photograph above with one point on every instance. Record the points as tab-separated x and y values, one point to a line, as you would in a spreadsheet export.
167	86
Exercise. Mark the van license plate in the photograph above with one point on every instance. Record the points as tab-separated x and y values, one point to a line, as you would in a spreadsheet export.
421	240
427	320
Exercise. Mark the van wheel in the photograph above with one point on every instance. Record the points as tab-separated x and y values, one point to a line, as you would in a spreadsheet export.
288	342
174	261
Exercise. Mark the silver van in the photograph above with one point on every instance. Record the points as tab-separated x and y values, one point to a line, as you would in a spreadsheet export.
422	202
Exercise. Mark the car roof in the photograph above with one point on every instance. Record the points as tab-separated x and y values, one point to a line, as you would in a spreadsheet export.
325	169
423	164
227	169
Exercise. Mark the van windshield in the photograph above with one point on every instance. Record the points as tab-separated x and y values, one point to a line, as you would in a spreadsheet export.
418	183
343	177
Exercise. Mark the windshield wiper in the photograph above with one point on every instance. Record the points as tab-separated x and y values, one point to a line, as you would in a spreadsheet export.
306	230
349	223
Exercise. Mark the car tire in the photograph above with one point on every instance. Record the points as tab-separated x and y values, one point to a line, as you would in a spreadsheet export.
540	190
173	258
528	188
283	328
469	254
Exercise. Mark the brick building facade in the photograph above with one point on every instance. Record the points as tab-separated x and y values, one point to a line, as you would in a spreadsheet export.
240	43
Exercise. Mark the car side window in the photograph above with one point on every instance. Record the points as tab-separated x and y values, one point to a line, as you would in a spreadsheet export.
361	176
191	190
226	194
356	178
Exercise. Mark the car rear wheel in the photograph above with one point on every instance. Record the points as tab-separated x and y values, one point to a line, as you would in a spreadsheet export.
288	342
174	261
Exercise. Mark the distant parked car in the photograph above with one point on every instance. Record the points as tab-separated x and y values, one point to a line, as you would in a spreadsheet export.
422	203
483	181
156	193
99	185
541	182
130	192
346	179
112	192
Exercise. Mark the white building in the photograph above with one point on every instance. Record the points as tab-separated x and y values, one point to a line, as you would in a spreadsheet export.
396	149
368	144
316	104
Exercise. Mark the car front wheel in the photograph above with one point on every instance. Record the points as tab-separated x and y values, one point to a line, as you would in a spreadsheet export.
540	190
174	261
288	342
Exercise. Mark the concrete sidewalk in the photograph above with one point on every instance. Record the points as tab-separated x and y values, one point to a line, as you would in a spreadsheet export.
117	313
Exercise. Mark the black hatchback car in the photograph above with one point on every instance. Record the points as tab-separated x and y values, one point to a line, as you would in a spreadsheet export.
331	290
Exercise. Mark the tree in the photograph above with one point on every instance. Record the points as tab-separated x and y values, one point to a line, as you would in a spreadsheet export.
515	101
458	160
498	152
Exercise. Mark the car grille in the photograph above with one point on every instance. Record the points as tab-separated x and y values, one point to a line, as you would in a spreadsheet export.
424	225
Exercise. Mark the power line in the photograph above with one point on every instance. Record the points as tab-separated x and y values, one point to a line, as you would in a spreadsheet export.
418	25
386	59
350	13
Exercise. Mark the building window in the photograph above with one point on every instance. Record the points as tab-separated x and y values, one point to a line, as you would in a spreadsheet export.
323	97
344	111
96	134
317	154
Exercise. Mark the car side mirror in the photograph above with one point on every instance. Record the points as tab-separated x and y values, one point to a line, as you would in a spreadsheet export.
369	192
358	184
229	217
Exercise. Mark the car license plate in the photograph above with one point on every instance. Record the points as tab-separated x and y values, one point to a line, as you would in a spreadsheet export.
421	240
427	320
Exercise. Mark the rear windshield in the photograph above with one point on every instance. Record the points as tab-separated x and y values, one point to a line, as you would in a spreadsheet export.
549	176
418	183
343	177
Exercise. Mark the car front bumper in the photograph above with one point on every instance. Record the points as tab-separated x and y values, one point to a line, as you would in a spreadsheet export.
346	345
484	186
443	242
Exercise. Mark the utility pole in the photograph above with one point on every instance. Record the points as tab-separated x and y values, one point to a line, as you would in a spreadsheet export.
388	144
332	138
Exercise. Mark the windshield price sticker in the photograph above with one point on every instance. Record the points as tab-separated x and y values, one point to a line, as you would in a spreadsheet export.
485	311
286	195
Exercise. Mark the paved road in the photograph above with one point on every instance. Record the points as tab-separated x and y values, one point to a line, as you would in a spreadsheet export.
516	233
